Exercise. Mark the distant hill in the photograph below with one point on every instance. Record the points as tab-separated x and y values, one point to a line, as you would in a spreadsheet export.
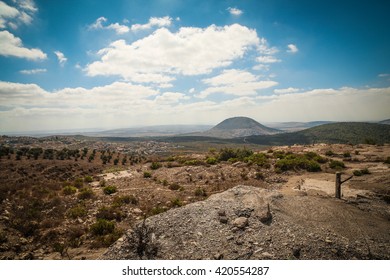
238	127
295	126
385	121
344	132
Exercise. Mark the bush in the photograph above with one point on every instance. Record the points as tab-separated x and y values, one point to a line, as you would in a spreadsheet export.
77	211
68	190
260	159
361	172
177	202
147	174
88	179
329	153
347	154
211	160
78	183
193	162
296	162
109	214
227	154
125	199
85	193
157	210
155	165
174	186
335	164
102	227
200	192
109	190
259	176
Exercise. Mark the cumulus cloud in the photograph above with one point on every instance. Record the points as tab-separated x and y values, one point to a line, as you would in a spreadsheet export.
189	51
61	58
286	90
118	28
267	59
235	82
13	46
291	48
33	71
153	22
21	13
235	11
124	104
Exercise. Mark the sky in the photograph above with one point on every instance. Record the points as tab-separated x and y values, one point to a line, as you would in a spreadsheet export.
88	64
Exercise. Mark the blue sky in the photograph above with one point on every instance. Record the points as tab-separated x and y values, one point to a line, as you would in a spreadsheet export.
106	64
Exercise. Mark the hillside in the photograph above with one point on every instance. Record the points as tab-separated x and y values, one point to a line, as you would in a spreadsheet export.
346	132
238	127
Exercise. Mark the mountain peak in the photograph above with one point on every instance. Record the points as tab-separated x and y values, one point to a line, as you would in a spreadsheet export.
239	127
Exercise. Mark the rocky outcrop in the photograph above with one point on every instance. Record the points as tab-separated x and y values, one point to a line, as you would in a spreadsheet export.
251	223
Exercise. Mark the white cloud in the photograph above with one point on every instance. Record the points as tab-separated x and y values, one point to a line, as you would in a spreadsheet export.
171	97
21	13
123	105
33	71
191	90
189	51
12	46
383	75
235	11
291	48
153	22
267	59
118	28
286	90
61	58
235	82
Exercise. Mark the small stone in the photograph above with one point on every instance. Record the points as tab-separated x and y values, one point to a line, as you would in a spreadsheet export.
240	222
137	211
223	219
218	256
267	255
230	237
297	252
221	212
328	241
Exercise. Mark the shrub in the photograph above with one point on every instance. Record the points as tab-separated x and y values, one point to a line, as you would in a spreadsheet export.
155	165
211	160
109	190
102	227
200	192
260	159
85	193
294	162
147	174
109	213
165	182
177	202
157	210
227	154
78	183
361	172
193	162
329	153
347	154
125	199
88	179
68	190
77	211
174	186
259	176
335	164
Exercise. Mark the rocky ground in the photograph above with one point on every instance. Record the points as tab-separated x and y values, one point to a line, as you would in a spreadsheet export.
198	210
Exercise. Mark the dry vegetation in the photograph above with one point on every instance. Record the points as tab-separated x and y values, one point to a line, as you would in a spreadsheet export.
74	203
